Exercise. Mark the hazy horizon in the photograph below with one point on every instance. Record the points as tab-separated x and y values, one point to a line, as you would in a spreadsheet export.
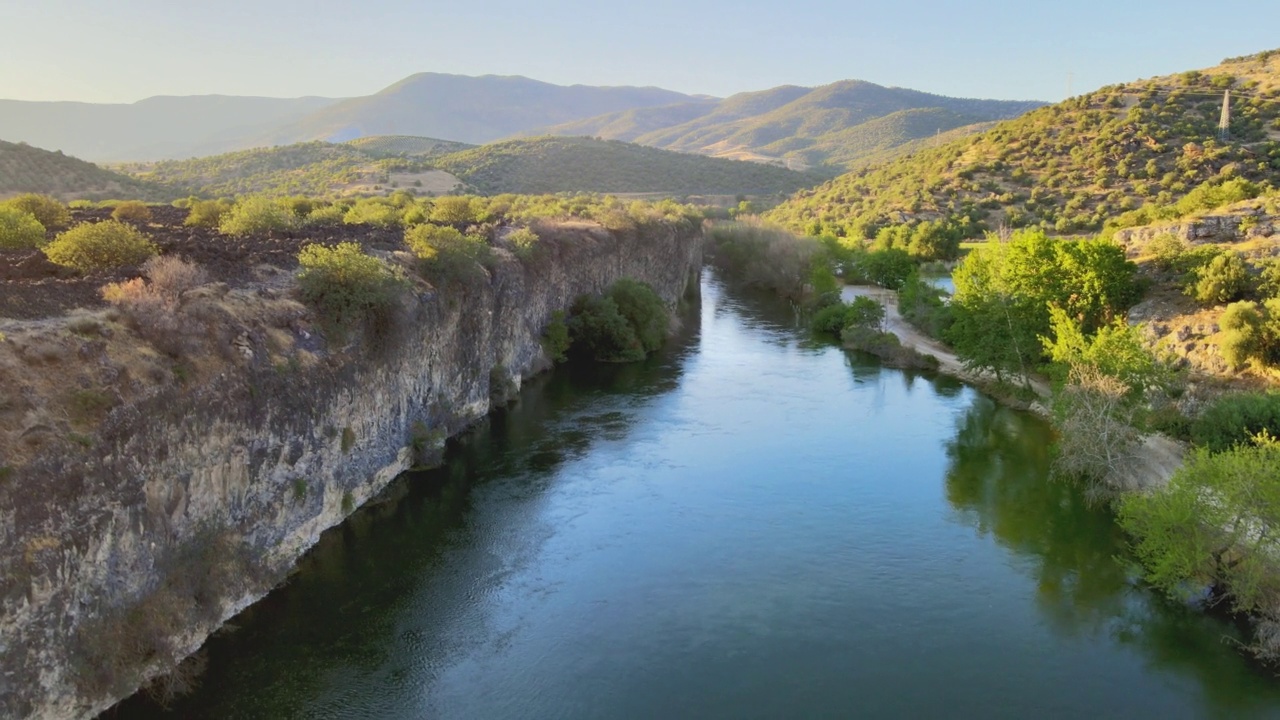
71	50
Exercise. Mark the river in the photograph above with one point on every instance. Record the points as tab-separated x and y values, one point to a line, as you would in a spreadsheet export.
752	524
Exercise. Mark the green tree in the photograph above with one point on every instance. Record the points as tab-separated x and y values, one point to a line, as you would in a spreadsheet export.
1213	527
888	268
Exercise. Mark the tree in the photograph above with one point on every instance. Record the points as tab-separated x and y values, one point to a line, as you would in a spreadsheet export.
1004	292
888	268
1224	279
1094	416
1213	526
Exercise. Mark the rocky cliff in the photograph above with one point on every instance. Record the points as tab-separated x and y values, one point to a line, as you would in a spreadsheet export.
186	504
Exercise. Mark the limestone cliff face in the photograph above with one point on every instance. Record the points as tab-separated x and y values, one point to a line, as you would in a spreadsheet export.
190	503
1217	228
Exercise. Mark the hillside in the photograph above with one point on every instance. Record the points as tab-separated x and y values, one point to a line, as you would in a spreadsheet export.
837	125
1073	167
151	129
555	164
26	169
388	146
314	168
465	109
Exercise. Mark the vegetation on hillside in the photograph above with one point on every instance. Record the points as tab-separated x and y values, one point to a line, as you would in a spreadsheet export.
313	168
408	146
1073	167
556	164
826	128
26	169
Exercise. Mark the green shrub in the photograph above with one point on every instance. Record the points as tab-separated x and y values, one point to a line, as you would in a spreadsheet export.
414	215
257	214
555	338
1224	279
52	214
345	285
19	230
644	310
1242	333
830	319
453	210
207	213
373	212
326	215
862	312
100	246
601	331
132	211
1166	249
628	322
299	205
446	253
524	240
1235	419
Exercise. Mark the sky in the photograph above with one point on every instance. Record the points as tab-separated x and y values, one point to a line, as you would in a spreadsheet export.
126	50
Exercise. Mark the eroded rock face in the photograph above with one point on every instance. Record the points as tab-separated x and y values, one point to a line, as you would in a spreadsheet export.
188	504
1226	228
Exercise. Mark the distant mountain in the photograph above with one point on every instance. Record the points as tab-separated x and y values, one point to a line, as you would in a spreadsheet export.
151	129
465	109
25	169
836	125
556	164
1120	156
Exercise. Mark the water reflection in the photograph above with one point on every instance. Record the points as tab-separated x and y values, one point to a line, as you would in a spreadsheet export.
996	483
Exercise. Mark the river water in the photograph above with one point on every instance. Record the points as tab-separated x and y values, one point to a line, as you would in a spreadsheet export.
753	524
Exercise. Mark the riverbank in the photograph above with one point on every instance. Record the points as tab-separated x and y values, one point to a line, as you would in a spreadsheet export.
1155	459
185	494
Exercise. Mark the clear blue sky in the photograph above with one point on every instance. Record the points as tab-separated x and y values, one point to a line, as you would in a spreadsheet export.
101	51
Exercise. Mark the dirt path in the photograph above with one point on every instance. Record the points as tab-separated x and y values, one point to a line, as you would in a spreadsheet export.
913	338
1157	458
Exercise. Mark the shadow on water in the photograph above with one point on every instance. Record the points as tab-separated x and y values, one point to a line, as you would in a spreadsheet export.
342	607
1085	583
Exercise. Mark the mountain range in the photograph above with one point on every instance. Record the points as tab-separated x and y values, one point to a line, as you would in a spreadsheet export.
834	125
830	127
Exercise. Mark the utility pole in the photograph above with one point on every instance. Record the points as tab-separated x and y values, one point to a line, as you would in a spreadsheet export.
1224	125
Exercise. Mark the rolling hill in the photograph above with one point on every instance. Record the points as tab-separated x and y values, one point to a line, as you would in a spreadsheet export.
388	146
836	125
465	109
151	129
559	164
1109	158
24	169
312	168
537	165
